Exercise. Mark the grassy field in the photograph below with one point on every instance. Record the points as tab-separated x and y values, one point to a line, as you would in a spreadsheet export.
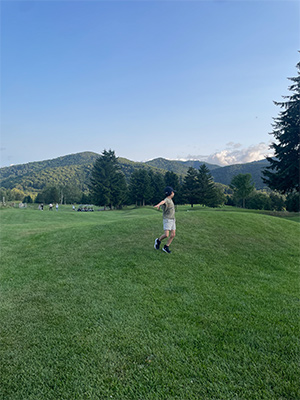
89	310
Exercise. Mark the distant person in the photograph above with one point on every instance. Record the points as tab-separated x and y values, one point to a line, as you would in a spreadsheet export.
73	208
169	223
56	206
42	206
50	206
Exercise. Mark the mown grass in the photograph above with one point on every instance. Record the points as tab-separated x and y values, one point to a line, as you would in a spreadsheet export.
89	310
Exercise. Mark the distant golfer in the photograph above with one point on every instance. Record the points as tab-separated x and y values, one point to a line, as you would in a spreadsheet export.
168	220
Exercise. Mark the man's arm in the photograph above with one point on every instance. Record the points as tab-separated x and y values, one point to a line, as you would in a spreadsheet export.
159	204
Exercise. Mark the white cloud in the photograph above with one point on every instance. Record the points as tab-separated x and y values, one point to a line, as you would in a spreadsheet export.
234	154
231	155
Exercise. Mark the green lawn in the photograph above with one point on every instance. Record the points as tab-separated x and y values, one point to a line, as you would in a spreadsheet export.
89	310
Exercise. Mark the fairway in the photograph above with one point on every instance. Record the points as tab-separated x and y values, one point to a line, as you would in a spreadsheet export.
89	310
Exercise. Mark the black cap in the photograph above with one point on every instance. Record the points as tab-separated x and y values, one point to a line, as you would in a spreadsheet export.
169	190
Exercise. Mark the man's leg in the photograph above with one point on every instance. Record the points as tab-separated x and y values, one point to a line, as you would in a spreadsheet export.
172	235
158	240
164	236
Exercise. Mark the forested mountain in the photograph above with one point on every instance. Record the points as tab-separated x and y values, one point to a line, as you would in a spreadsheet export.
72	170
77	159
177	166
225	174
75	169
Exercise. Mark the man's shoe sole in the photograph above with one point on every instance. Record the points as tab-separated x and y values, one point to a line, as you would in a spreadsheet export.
155	245
168	252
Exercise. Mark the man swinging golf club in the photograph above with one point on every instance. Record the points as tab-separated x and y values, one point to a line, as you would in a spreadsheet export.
168	220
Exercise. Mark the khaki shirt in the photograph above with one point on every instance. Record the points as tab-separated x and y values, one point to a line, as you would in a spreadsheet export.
168	209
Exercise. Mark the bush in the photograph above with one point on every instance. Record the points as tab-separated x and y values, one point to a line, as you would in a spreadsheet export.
27	199
229	200
293	202
277	202
258	201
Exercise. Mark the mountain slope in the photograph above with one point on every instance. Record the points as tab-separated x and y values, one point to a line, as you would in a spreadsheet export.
63	161
75	169
177	166
225	174
72	169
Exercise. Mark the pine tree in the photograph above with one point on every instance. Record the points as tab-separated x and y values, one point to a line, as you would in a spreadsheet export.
119	192
158	184
106	180
140	188
171	179
286	130
209	194
191	187
206	186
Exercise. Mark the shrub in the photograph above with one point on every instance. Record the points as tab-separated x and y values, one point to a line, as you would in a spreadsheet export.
293	202
27	199
277	201
258	201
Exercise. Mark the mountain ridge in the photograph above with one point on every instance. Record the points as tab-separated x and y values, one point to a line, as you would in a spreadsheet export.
74	169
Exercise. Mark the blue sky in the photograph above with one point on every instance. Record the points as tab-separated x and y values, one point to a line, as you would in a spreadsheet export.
172	79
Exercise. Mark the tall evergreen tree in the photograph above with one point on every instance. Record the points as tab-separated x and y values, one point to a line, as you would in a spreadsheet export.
191	186
199	188
119	190
158	184
140	188
286	130
171	179
106	180
207	191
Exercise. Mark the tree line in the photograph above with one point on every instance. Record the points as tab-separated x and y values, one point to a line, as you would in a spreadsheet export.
147	188
108	188
108	185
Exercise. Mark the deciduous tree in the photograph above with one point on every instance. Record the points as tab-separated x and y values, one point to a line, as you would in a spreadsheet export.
242	186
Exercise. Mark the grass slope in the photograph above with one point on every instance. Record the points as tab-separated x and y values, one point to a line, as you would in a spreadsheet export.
89	310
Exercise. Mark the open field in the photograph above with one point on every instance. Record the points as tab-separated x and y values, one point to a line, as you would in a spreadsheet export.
89	310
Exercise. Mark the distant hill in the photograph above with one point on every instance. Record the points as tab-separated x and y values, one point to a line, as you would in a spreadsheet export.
75	169
64	161
72	169
179	167
225	174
